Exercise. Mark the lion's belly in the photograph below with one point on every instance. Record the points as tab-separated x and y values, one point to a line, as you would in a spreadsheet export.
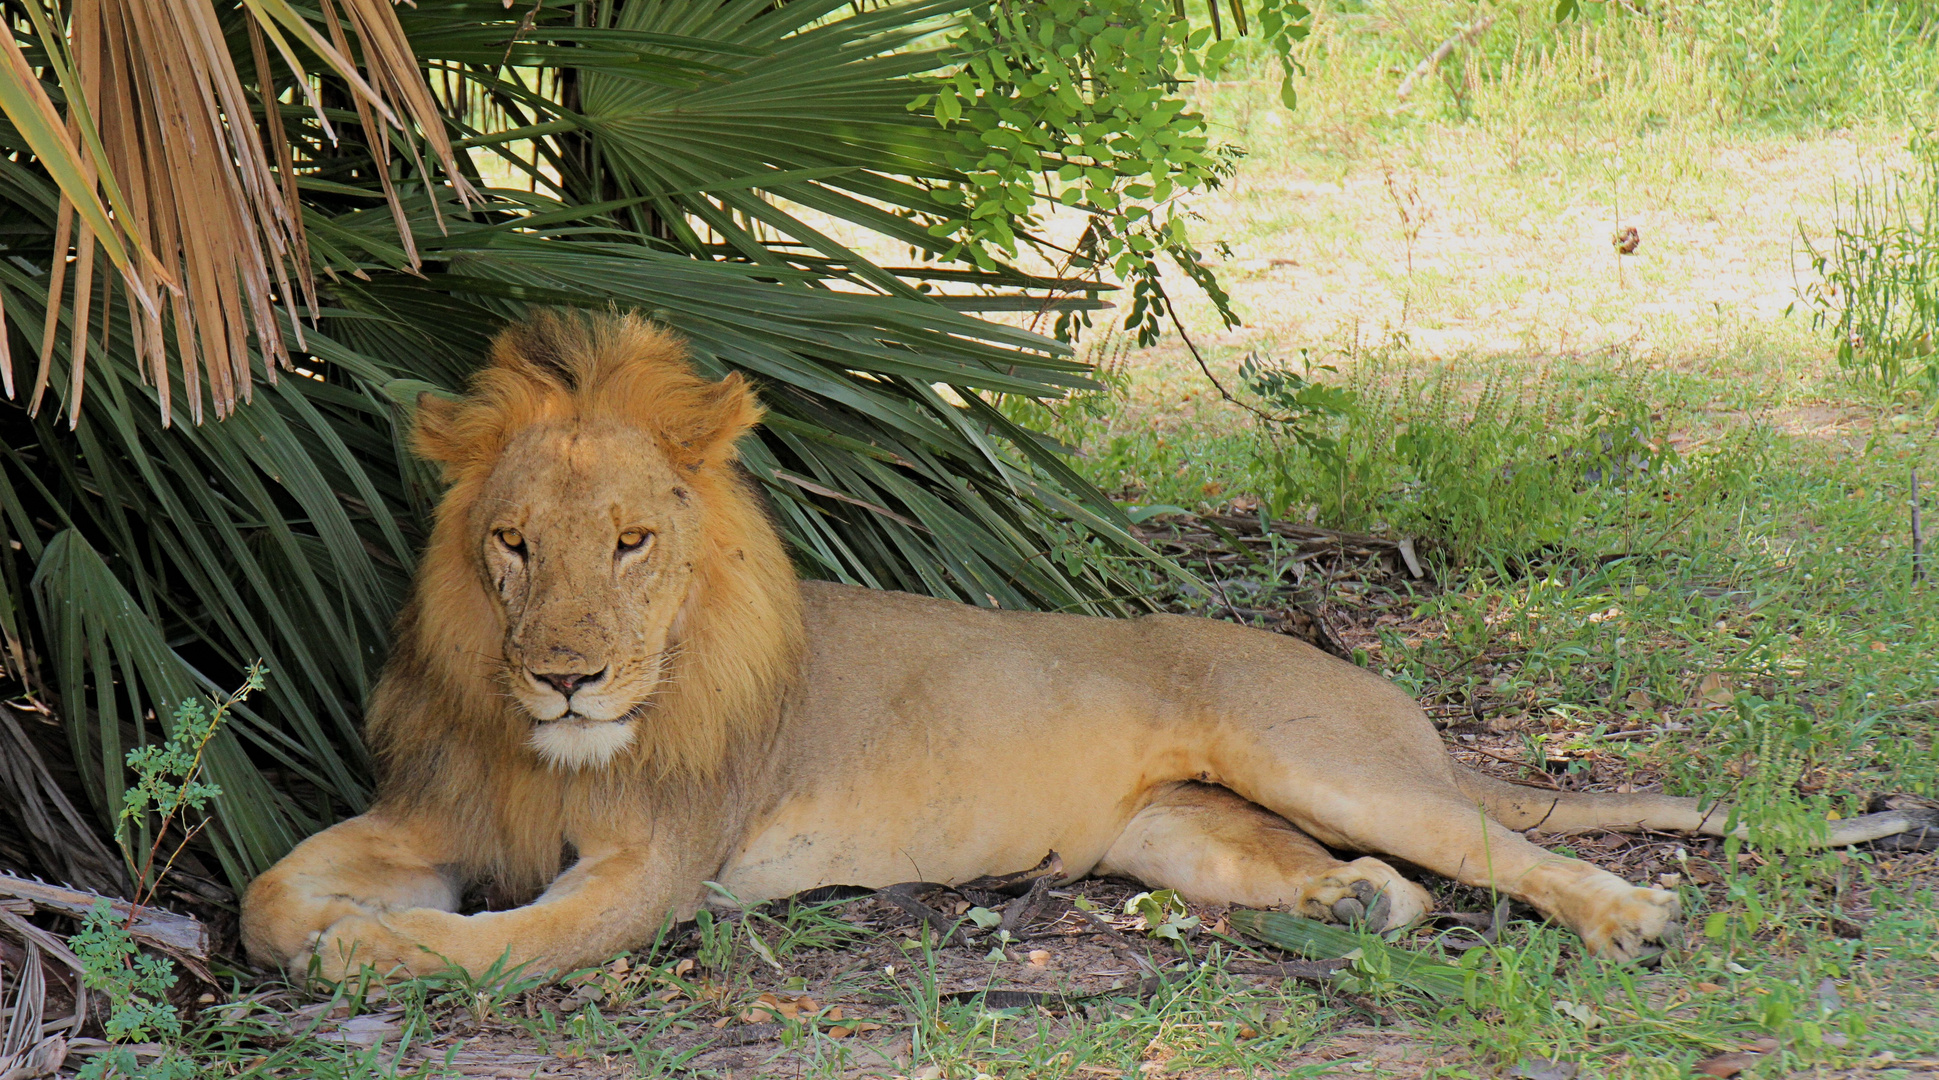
938	742
835	842
959	818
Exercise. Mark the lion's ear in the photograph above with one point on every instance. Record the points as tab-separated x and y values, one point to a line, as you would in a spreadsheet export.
434	436
705	437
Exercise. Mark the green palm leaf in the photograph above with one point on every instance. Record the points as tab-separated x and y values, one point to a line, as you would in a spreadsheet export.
721	167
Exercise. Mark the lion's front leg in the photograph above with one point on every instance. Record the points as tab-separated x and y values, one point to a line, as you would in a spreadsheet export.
605	904
365	866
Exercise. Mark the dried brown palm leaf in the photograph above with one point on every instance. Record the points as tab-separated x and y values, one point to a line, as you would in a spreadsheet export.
163	166
58	836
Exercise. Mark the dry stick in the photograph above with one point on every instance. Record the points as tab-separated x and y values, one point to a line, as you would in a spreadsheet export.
1219	587
1643	733
1314	971
1422	70
1918	534
1179	325
151	925
1536	769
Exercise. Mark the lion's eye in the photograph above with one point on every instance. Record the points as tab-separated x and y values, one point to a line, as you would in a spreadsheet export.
633	539
512	539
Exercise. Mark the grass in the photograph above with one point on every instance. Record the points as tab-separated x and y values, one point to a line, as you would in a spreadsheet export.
1880	270
1749	594
1669	545
1531	996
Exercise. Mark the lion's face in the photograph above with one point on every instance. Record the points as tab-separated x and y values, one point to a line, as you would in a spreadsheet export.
587	535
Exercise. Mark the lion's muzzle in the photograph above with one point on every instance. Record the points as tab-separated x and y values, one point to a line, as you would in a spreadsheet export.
580	719
566	682
555	695
550	695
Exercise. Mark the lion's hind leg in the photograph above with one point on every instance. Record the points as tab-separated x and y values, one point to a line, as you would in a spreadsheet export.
1212	846
1435	827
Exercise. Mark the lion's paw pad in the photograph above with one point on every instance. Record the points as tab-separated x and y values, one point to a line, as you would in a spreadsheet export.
1367	892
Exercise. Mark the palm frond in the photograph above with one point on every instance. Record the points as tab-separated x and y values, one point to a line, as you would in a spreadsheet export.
172	178
683	160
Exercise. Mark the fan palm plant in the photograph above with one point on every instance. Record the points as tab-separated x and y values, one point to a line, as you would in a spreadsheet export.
316	214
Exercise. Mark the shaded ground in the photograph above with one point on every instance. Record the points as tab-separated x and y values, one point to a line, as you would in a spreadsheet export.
862	986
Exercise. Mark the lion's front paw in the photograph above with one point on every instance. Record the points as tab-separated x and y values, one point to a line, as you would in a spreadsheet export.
1367	891
356	942
1619	921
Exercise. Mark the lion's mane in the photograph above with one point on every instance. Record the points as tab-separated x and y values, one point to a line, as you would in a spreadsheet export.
450	742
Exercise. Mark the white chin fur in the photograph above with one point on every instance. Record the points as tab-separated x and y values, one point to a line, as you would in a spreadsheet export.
581	744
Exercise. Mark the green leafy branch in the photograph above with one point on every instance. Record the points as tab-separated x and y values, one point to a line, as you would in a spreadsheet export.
1079	103
168	782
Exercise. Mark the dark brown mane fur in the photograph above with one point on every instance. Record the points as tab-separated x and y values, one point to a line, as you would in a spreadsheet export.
451	744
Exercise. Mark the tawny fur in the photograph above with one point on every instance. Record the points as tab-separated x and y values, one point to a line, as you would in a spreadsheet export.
600	560
448	739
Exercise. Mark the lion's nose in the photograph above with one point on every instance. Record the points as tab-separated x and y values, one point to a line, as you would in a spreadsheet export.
565	682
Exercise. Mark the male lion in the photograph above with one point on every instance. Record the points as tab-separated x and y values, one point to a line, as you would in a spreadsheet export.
608	650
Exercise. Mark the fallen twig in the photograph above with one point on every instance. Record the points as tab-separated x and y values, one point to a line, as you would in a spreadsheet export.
1644	733
950	931
150	925
1536	769
1016	999
1050	1001
1184	532
1315	971
1463	36
1211	577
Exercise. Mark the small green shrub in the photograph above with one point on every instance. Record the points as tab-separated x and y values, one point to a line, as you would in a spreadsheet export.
167	783
136	983
1502	472
1878	287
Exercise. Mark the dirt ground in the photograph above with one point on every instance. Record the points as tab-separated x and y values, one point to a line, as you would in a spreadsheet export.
847	1002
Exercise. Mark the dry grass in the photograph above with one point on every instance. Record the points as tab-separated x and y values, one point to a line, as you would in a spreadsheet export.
206	230
1514	261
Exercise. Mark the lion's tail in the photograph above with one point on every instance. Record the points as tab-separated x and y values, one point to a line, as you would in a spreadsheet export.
1522	807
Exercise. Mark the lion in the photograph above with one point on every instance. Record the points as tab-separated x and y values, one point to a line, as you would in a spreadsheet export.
607	653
